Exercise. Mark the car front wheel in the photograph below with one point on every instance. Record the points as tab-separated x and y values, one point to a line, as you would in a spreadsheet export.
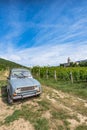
10	101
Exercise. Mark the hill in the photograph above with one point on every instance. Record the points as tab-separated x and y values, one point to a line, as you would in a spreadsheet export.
5	64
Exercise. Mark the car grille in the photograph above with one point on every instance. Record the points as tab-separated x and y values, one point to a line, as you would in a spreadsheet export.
27	88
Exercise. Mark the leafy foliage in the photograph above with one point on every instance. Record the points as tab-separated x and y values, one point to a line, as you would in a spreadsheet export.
6	64
78	73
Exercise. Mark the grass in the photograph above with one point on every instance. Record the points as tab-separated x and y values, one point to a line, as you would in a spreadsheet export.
35	117
82	127
29	114
44	104
60	127
60	114
63	116
15	116
41	124
3	84
79	88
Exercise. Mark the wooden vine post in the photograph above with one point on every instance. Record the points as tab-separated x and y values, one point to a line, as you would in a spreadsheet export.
71	77
47	74
55	75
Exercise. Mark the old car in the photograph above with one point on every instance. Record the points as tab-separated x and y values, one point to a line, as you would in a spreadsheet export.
21	84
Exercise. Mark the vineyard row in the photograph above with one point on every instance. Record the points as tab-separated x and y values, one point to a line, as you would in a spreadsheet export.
60	73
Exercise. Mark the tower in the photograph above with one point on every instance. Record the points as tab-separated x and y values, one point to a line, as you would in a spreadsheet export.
68	60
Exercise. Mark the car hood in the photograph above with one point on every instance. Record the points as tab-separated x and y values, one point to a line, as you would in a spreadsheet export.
26	82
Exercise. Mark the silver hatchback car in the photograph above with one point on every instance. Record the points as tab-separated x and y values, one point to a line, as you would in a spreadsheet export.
21	84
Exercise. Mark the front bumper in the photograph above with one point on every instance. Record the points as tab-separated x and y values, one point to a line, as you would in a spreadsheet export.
22	96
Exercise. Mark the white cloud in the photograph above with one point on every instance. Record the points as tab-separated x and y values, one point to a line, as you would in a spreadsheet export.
48	55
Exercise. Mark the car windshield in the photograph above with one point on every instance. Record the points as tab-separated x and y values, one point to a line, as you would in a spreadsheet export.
21	74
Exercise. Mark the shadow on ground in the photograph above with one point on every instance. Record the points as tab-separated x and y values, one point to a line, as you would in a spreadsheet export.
4	94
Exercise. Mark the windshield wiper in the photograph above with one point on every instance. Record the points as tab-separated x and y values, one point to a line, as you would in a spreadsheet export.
18	76
23	75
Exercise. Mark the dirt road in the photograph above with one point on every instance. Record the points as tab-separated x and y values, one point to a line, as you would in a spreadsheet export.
62	111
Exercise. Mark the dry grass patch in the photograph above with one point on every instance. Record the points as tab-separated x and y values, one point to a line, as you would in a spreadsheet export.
19	124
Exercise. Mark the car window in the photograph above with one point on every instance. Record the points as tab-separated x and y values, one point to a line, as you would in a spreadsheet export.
20	74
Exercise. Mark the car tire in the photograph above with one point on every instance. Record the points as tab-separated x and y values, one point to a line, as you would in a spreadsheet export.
10	101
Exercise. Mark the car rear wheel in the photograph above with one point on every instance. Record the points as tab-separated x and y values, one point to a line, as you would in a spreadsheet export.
10	101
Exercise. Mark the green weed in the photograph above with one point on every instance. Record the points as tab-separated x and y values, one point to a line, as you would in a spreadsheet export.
81	127
78	89
41	124
44	104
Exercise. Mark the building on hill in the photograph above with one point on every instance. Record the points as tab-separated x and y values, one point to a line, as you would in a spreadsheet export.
76	63
66	64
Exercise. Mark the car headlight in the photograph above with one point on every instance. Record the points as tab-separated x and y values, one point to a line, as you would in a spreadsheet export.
37	88
18	90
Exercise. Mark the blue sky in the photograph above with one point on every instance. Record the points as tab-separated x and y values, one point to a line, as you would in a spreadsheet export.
43	32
